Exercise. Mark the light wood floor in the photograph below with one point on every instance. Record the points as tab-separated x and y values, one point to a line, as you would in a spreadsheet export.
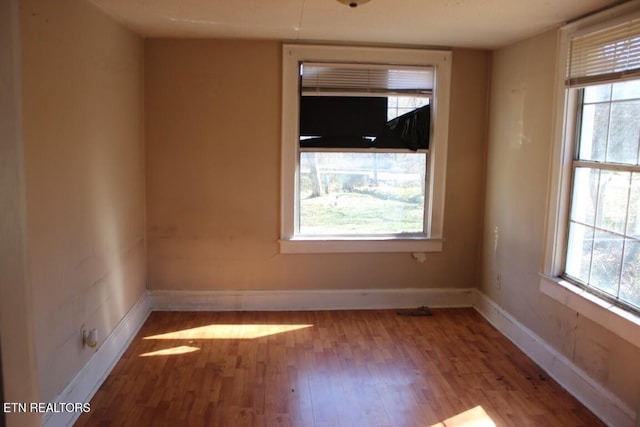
328	368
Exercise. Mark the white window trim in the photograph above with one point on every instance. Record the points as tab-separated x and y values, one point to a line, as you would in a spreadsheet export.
619	321
437	159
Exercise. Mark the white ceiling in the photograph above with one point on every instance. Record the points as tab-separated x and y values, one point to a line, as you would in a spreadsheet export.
457	23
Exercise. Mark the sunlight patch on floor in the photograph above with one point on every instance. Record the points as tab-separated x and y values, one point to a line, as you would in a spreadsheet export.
219	332
183	349
475	417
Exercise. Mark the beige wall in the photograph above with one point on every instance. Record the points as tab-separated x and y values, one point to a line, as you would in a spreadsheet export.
19	374
521	114
84	162
213	177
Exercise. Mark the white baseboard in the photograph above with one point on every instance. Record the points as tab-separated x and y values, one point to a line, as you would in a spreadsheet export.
601	401
350	299
92	375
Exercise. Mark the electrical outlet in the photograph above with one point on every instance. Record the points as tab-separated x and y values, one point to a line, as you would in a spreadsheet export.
89	337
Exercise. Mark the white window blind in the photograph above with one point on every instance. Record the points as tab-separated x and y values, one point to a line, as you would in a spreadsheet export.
368	78
605	56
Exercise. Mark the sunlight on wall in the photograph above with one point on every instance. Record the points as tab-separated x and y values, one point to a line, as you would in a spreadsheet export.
475	417
213	332
183	349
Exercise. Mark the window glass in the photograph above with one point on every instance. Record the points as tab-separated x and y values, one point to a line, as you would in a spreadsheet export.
605	262
624	132
361	193
585	195
625	90
399	105
633	215
595	123
629	289
599	93
580	247
613	195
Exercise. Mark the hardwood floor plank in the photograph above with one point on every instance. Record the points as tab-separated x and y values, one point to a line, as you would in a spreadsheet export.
328	368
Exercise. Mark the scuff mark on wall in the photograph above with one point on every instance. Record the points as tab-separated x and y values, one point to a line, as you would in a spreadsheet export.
575	331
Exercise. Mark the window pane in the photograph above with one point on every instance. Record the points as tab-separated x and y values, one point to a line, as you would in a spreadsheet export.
579	251
412	102
361	193
626	90
606	262
612	201
585	195
399	105
630	281
593	133
623	133
598	93
633	221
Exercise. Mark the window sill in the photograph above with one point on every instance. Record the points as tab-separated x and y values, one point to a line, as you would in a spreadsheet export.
621	322
309	245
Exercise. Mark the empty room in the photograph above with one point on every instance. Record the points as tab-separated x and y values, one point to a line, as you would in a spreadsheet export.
320	213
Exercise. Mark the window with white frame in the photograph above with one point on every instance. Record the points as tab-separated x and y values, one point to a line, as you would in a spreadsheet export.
364	143
602	249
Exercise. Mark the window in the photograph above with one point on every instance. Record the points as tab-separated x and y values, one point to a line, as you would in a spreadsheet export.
363	150
603	249
364	139
592	258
